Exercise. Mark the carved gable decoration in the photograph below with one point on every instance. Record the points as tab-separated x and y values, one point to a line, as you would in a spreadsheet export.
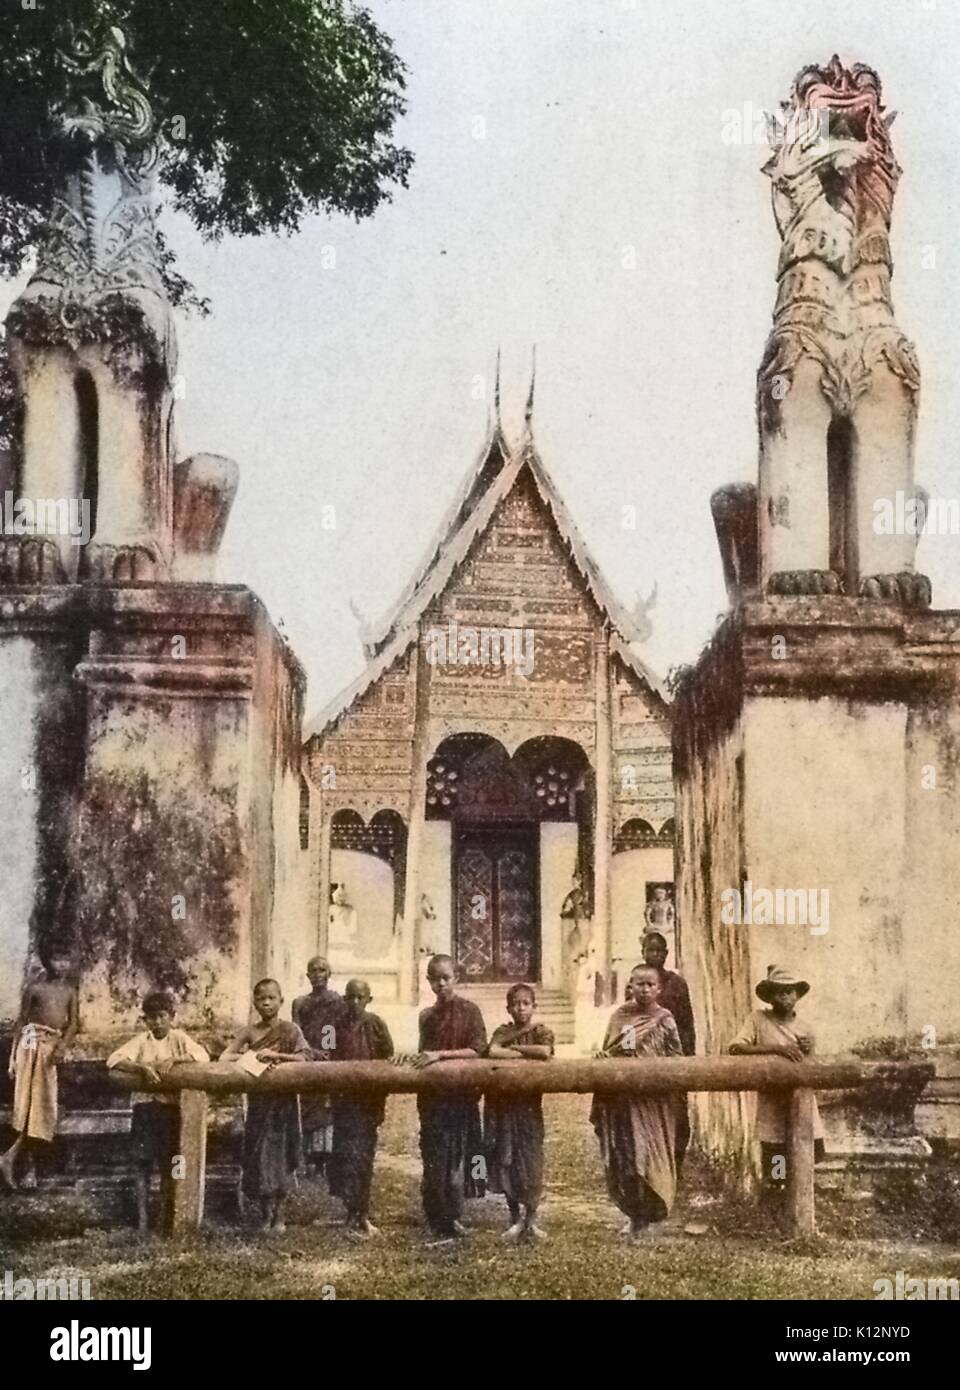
519	570
507	572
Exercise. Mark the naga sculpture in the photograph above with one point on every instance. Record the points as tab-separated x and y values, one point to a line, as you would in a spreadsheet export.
838	386
93	347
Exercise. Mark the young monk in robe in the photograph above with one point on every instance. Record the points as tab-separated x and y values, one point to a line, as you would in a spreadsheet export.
637	1134
45	1029
513	1129
674	996
317	1014
776	1031
361	1037
451	1141
271	1134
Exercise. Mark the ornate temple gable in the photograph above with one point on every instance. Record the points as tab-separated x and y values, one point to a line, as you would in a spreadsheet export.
643	764
363	760
384	709
517	576
507	571
519	571
637	710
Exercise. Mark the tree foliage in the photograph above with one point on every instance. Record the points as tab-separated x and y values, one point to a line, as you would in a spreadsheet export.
268	110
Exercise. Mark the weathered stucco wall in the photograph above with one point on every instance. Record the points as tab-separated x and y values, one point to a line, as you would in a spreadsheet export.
931	900
714	959
277	864
166	738
165	897
825	812
19	816
41	714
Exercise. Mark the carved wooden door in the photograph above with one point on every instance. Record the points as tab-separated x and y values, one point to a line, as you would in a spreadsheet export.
496	909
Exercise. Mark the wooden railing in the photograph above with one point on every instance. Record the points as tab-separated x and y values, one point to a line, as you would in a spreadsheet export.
605	1076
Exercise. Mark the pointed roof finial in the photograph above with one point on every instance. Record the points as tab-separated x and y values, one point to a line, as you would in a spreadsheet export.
528	412
496	396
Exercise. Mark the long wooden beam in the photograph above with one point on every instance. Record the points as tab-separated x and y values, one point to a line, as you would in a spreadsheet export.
606	1076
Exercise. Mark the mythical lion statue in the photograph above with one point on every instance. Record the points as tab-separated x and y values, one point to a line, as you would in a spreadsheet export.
838	384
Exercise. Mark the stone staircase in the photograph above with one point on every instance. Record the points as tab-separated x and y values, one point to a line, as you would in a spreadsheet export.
553	1008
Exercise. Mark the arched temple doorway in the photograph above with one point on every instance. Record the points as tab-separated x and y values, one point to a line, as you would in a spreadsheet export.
500	810
367	866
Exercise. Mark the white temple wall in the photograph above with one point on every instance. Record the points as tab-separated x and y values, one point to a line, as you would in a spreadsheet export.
631	871
437	936
558	858
369	885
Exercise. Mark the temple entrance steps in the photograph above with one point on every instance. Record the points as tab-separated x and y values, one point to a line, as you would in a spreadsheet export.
554	1008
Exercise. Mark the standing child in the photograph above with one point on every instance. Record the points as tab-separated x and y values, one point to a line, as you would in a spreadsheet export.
155	1122
317	1014
674	996
513	1129
45	1030
361	1037
776	1031
637	1134
451	1140
271	1134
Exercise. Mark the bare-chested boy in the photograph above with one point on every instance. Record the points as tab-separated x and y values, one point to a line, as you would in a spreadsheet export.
45	1030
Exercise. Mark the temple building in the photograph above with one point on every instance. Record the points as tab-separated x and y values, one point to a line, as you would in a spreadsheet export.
497	782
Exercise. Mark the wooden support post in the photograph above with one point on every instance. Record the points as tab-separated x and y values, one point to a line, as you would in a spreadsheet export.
800	1196
603	817
188	1190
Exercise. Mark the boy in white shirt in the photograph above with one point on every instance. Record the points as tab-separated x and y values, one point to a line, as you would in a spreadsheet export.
155	1126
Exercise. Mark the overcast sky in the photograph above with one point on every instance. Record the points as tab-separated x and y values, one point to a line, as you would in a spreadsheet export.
558	143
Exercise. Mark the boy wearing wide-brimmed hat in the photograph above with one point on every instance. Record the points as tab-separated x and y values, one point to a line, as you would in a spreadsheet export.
776	1031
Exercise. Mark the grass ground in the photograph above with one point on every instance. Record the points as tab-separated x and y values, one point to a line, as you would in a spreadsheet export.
739	1254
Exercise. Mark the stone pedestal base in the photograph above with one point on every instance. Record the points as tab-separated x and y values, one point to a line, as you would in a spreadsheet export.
817	762
161	836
